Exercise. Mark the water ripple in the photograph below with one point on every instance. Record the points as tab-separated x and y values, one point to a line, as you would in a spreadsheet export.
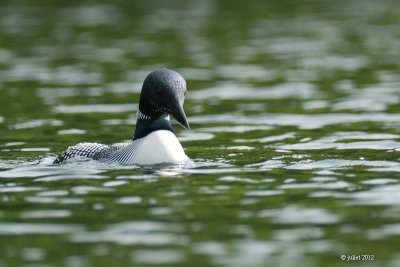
339	164
37	228
71	131
235	128
49	173
134	233
269	139
154	257
329	185
40	214
103	108
317	145
16	189
388	195
302	121
300	215
233	91
369	99
37	123
242	71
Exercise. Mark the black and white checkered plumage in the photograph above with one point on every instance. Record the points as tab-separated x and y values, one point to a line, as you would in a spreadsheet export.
154	140
94	151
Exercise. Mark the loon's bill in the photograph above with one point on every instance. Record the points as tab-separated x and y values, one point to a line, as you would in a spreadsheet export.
154	141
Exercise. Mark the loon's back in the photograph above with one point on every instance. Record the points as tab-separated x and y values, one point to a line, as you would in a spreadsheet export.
158	147
94	151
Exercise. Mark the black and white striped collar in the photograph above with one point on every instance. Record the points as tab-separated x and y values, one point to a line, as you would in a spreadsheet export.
141	116
146	124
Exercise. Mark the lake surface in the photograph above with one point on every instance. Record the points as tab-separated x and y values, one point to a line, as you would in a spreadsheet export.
295	133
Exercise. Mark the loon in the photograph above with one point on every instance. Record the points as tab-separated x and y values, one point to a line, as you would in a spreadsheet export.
154	141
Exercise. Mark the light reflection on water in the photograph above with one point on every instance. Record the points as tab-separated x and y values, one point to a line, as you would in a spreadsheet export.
294	134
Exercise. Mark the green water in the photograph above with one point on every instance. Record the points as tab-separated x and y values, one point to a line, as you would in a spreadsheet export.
294	133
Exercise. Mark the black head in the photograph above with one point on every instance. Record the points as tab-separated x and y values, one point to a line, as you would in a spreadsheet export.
163	92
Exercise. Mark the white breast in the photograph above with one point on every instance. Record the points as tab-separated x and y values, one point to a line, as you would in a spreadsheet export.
156	148
160	147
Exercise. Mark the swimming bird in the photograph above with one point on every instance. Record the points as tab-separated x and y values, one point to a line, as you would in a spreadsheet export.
154	141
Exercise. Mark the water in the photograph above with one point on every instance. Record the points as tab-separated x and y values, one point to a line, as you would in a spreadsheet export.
295	133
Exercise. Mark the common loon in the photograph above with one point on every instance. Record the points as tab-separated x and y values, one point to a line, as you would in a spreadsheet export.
154	141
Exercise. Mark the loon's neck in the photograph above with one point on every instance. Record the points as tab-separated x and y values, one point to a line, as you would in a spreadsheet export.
146	124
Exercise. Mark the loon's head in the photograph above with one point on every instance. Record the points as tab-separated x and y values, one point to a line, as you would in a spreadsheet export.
164	92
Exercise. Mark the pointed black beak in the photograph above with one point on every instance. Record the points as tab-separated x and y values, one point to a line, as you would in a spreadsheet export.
179	114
